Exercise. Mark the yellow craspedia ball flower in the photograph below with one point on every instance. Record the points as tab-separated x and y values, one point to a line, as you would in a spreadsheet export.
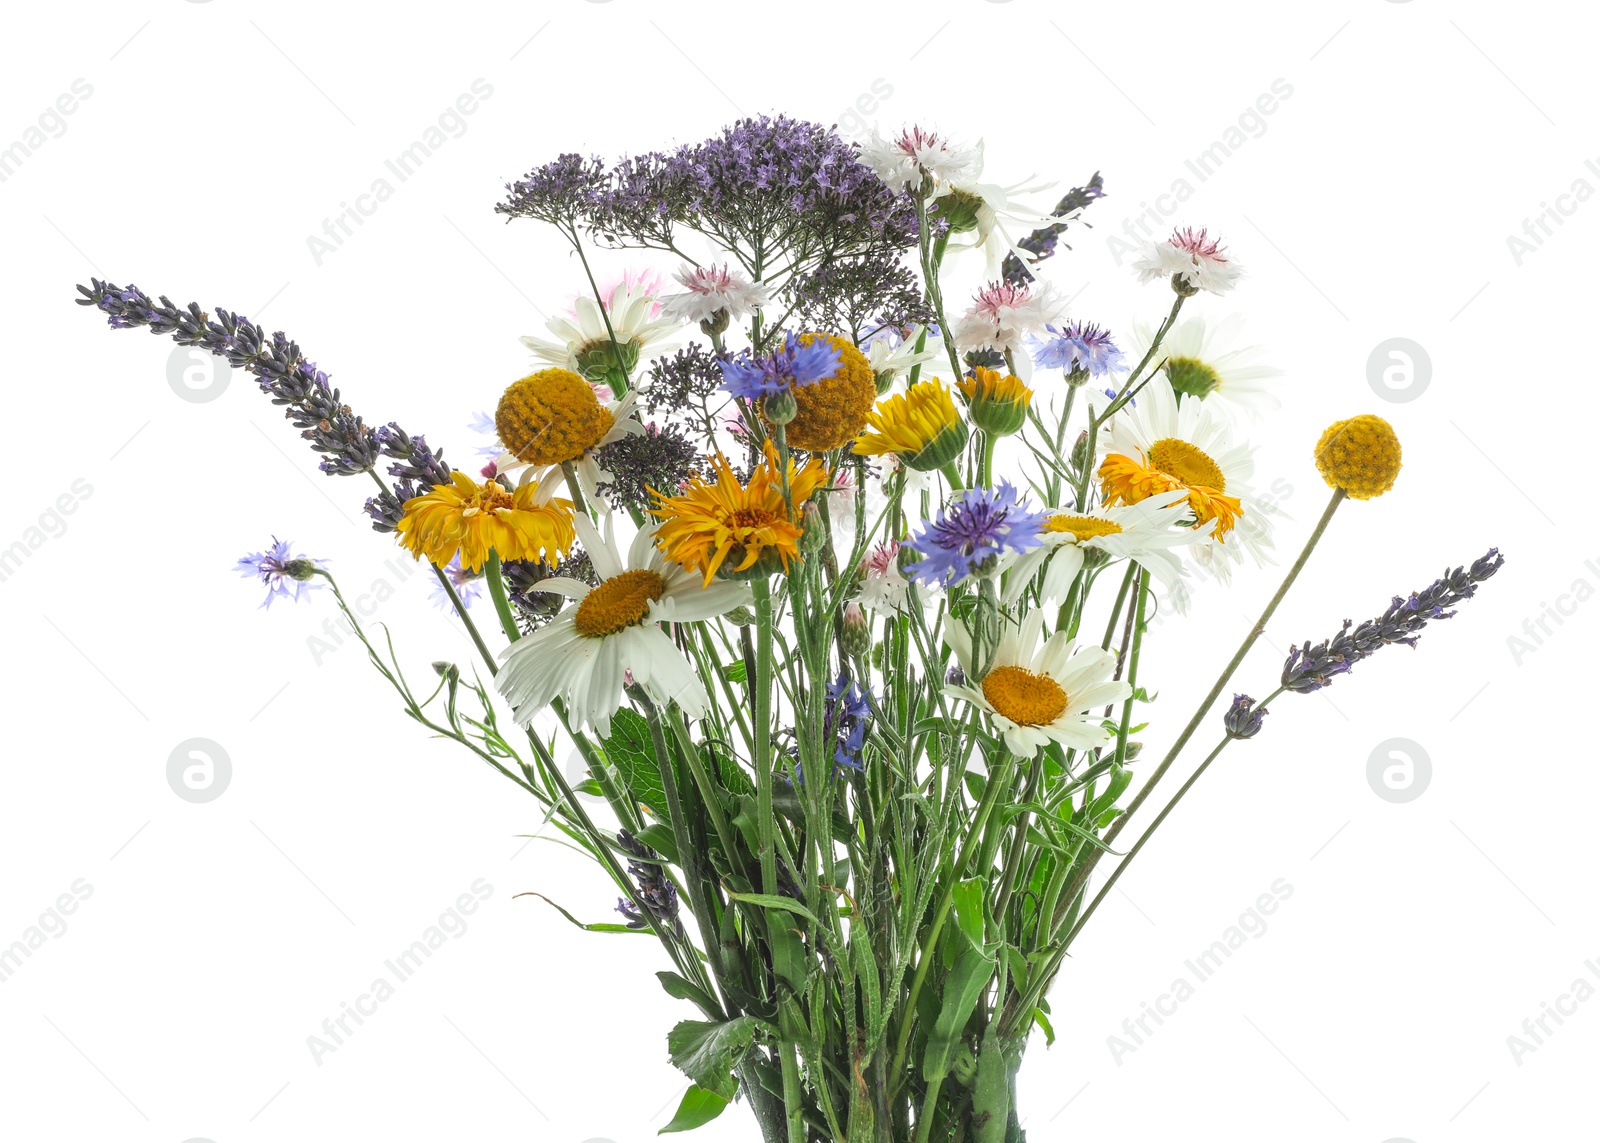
829	413
1360	455
551	417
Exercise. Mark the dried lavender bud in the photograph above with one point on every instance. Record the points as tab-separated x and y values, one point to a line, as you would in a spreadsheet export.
347	444
1310	668
656	891
1041	244
1242	720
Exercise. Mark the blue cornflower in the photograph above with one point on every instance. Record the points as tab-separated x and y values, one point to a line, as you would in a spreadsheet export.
468	585
793	366
279	568
845	718
971	534
844	722
1078	345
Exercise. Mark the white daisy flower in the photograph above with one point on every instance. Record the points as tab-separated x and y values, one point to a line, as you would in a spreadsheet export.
1003	315
1032	694
984	215
1145	533
709	290
582	343
587	653
1200	362
1200	262
1158	444
915	155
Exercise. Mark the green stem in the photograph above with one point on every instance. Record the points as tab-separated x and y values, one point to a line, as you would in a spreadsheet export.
761	701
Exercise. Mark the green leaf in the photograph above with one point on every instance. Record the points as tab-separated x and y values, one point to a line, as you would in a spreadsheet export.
775	901
596	927
698	1108
658	836
680	989
734	672
1040	1019
962	991
631	751
707	1051
589	786
968	897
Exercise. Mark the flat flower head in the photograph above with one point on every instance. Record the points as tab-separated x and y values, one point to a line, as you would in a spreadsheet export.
723	527
1032	694
1164	446
1192	260
920	426
917	155
710	291
468	518
610	636
971	535
285	574
797	363
1004	314
1078	347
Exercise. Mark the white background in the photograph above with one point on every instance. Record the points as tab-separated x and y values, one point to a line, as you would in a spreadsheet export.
1376	203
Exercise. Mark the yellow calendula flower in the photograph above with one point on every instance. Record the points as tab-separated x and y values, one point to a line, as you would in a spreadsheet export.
830	412
737	531
1360	455
920	426
472	518
551	417
997	404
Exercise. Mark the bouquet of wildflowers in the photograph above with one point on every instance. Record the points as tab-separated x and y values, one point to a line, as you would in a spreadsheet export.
843	599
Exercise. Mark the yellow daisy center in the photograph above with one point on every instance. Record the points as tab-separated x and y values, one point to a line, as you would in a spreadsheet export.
1025	698
619	603
551	417
1186	463
1081	527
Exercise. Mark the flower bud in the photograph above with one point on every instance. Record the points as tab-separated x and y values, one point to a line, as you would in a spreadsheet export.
997	404
884	380
716	324
857	631
1242	720
813	532
780	407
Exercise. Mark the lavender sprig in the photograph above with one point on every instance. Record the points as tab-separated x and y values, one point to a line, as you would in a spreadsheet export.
348	445
1042	242
1311	668
656	891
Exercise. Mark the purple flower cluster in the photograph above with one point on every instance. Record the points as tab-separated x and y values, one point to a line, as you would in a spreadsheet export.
1311	668
347	444
971	534
1243	719
769	188
284	573
659	459
1041	244
793	366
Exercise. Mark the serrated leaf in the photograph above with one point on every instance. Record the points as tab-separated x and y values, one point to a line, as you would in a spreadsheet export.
707	1051
631	751
698	1108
